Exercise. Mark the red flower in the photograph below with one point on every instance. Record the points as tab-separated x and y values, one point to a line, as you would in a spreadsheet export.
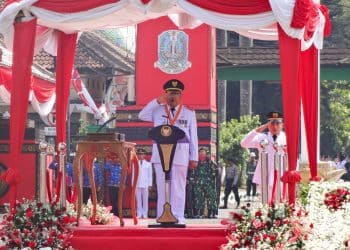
66	219
15	233
53	234
237	216
29	213
257	224
258	213
9	218
278	223
311	225
50	240
257	238
272	237
58	213
18	241
33	234
265	236
232	228
39	204
32	244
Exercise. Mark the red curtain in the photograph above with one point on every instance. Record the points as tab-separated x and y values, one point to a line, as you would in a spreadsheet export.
70	6
64	65
308	72
42	89
22	72
6	78
289	57
234	7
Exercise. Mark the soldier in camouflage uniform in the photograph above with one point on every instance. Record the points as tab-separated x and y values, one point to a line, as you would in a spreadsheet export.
205	185
190	211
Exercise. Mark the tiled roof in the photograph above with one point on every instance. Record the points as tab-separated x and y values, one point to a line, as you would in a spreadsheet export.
270	56
95	53
37	70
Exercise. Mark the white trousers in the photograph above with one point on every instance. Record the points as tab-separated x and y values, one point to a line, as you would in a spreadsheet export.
177	190
142	202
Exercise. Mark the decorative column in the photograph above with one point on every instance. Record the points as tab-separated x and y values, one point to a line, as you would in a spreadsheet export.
42	172
62	154
264	172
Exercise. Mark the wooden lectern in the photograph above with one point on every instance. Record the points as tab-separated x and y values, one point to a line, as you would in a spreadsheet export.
102	144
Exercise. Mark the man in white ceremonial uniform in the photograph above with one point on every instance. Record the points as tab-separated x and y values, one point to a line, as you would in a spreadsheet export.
144	183
168	109
273	135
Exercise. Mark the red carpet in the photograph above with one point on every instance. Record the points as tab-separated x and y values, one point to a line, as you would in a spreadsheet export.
193	237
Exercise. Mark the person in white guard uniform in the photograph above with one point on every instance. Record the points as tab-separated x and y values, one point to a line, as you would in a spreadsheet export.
168	109
273	135
144	183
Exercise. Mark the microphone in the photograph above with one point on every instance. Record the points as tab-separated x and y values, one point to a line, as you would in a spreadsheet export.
104	124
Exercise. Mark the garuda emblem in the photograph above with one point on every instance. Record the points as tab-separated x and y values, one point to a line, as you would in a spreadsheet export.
173	52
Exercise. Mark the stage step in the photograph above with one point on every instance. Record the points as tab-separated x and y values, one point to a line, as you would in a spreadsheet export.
142	238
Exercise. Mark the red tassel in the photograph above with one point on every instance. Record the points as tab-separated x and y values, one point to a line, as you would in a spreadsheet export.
300	13
315	178
291	177
328	25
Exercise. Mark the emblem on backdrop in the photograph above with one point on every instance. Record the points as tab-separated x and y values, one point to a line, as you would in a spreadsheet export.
173	52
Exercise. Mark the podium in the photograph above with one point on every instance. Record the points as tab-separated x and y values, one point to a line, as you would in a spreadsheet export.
103	144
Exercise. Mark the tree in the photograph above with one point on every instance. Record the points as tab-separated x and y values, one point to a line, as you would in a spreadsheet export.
339	12
335	117
231	133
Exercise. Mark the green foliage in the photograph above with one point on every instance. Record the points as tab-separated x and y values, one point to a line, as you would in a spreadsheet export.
231	134
303	193
82	127
335	117
339	11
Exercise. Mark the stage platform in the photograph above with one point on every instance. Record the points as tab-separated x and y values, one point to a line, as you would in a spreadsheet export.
140	237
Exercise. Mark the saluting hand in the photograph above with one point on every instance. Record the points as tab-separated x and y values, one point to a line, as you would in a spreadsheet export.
261	128
193	164
161	99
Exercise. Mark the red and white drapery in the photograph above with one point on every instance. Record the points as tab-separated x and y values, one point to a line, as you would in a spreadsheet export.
42	94
301	26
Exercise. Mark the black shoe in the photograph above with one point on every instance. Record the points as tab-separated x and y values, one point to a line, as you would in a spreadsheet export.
223	207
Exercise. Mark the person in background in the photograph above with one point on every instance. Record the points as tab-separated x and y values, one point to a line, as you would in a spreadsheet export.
69	172
205	186
144	183
218	183
341	160
190	211
113	166
231	182
250	170
346	176
98	178
271	132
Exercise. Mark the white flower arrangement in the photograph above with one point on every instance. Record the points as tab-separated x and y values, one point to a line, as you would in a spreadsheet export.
103	214
331	227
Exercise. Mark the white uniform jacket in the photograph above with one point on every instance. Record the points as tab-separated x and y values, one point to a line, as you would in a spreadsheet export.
145	175
252	140
188	149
